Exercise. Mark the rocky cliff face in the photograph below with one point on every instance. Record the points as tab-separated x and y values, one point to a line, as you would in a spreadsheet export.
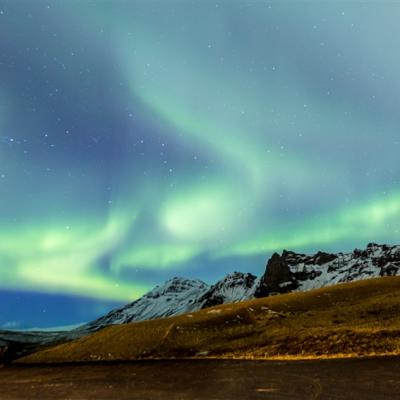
285	273
276	279
295	271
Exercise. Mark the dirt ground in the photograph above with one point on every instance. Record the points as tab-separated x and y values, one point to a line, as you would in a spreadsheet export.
374	378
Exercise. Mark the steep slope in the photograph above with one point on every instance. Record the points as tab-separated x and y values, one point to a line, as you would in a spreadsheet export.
235	287
179	296
176	296
350	319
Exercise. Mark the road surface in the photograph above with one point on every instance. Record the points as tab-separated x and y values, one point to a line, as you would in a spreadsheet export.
375	379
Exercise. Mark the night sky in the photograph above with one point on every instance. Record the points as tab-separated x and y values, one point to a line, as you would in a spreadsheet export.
143	140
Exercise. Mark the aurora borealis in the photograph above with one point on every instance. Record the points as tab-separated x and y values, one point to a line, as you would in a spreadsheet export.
147	139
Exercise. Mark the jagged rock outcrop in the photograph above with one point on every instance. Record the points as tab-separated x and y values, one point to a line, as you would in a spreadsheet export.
277	278
376	260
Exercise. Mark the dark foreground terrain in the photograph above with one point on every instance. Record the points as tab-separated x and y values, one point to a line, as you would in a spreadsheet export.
373	378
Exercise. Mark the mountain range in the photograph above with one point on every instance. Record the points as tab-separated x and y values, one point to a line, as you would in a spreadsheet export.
286	272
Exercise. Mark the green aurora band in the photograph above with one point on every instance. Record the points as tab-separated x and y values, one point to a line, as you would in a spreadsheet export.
267	147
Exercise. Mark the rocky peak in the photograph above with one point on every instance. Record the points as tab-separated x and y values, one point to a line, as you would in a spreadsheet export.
176	296
176	285
319	258
277	277
322	258
238	278
234	287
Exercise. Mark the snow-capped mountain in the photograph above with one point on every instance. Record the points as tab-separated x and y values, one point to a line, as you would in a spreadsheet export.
176	296
234	287
284	273
179	296
376	260
299	272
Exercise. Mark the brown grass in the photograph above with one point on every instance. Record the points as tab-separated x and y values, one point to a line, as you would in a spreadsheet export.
356	319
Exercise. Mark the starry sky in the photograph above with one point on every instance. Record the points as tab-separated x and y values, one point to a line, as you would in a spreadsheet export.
142	140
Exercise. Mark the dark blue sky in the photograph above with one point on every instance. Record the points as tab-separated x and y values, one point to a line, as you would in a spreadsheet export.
147	139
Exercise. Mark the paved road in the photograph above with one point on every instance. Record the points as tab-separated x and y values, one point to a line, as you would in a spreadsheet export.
375	379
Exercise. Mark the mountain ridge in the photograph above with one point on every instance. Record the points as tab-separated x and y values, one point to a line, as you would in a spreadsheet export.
284	273
352	319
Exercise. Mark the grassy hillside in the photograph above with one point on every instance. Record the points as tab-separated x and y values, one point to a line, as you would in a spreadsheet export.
354	319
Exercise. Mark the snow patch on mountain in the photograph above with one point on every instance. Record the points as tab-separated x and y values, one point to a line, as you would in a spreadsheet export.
376	260
234	287
176	296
